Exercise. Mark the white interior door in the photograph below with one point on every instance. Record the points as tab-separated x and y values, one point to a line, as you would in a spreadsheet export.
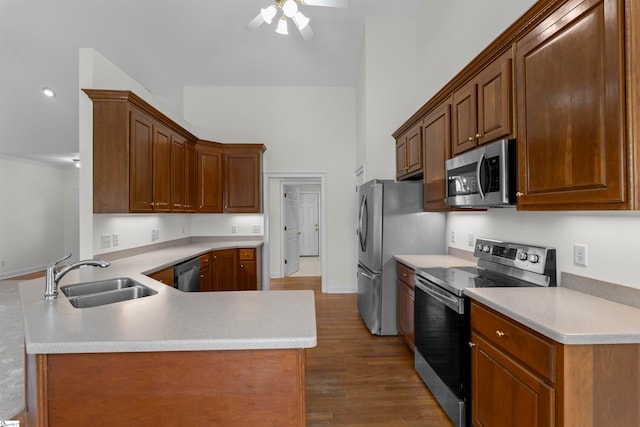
308	219
290	231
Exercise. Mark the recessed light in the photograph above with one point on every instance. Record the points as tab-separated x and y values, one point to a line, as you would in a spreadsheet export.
48	92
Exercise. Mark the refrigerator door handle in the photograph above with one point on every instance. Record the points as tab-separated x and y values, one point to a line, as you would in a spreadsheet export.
363	223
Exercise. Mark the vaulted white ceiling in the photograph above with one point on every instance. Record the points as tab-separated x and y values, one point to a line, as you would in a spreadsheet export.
164	45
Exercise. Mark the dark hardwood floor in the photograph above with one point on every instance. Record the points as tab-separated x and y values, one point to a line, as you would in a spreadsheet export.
355	378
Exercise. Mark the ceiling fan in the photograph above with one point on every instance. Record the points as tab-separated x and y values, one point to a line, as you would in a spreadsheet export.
290	9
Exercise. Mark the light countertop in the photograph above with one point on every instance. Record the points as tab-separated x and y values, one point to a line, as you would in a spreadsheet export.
170	320
429	261
564	315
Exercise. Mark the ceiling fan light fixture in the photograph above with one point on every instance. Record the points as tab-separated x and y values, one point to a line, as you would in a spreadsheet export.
282	26
300	20
290	8
268	13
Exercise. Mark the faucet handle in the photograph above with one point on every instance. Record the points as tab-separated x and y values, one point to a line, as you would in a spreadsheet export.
55	263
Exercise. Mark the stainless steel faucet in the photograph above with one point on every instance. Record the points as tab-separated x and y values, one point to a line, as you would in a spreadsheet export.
53	276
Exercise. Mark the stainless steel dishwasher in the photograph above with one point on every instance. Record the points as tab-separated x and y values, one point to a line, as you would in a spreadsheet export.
187	275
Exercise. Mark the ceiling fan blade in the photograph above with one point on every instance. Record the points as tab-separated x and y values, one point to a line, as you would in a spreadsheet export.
255	22
306	32
327	3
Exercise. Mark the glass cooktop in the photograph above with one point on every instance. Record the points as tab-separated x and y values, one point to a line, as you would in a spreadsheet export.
457	279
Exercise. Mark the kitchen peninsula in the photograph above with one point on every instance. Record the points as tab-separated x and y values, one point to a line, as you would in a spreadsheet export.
172	358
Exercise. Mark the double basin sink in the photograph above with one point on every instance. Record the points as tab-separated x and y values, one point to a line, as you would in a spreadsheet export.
93	294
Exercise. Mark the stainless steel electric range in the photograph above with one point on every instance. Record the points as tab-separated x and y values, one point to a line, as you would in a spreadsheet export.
442	322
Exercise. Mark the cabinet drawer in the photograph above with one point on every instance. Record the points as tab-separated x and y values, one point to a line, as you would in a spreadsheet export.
534	350
405	274
247	254
205	261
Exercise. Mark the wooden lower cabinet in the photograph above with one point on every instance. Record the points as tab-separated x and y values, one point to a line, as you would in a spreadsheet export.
177	388
206	276
522	378
406	302
224	264
248	270
165	276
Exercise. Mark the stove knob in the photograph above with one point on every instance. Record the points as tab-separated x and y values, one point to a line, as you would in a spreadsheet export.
486	249
534	258
522	256
479	247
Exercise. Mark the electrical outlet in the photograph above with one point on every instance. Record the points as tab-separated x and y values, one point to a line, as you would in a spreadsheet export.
114	237
256	229
234	229
453	237
105	241
580	254
470	239
155	235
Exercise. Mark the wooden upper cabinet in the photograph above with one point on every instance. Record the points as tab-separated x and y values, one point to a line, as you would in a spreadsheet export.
436	131
209	177
465	120
571	109
409	150
482	108
190	177
144	162
161	169
242	178
140	165
178	167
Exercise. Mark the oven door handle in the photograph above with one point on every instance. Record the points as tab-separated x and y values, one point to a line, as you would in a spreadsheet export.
448	300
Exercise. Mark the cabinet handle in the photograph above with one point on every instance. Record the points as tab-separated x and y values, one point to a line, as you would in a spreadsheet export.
405	275
471	344
500	334
241	266
519	194
478	135
153	204
471	139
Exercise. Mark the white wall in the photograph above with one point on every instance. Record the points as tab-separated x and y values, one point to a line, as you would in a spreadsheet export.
37	215
305	129
444	50
451	33
385	91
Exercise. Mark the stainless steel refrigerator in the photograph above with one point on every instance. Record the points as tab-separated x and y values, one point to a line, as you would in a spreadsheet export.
391	222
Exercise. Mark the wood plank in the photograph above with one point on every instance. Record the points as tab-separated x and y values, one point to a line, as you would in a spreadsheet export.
358	379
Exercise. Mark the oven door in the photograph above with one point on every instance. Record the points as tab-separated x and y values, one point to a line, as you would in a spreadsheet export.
443	357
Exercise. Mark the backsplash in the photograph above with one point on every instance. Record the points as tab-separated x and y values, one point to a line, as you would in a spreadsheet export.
609	237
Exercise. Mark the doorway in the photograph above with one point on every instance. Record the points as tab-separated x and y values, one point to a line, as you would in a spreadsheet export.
308	211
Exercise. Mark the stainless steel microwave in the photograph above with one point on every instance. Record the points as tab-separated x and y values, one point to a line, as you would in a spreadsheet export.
484	176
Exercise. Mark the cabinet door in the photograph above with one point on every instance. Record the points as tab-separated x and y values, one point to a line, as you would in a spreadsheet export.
209	178
495	100
161	169
225	270
206	278
140	162
571	112
405	317
190	177
437	149
409	149
465	118
505	393
247	276
177	173
164	276
242	179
